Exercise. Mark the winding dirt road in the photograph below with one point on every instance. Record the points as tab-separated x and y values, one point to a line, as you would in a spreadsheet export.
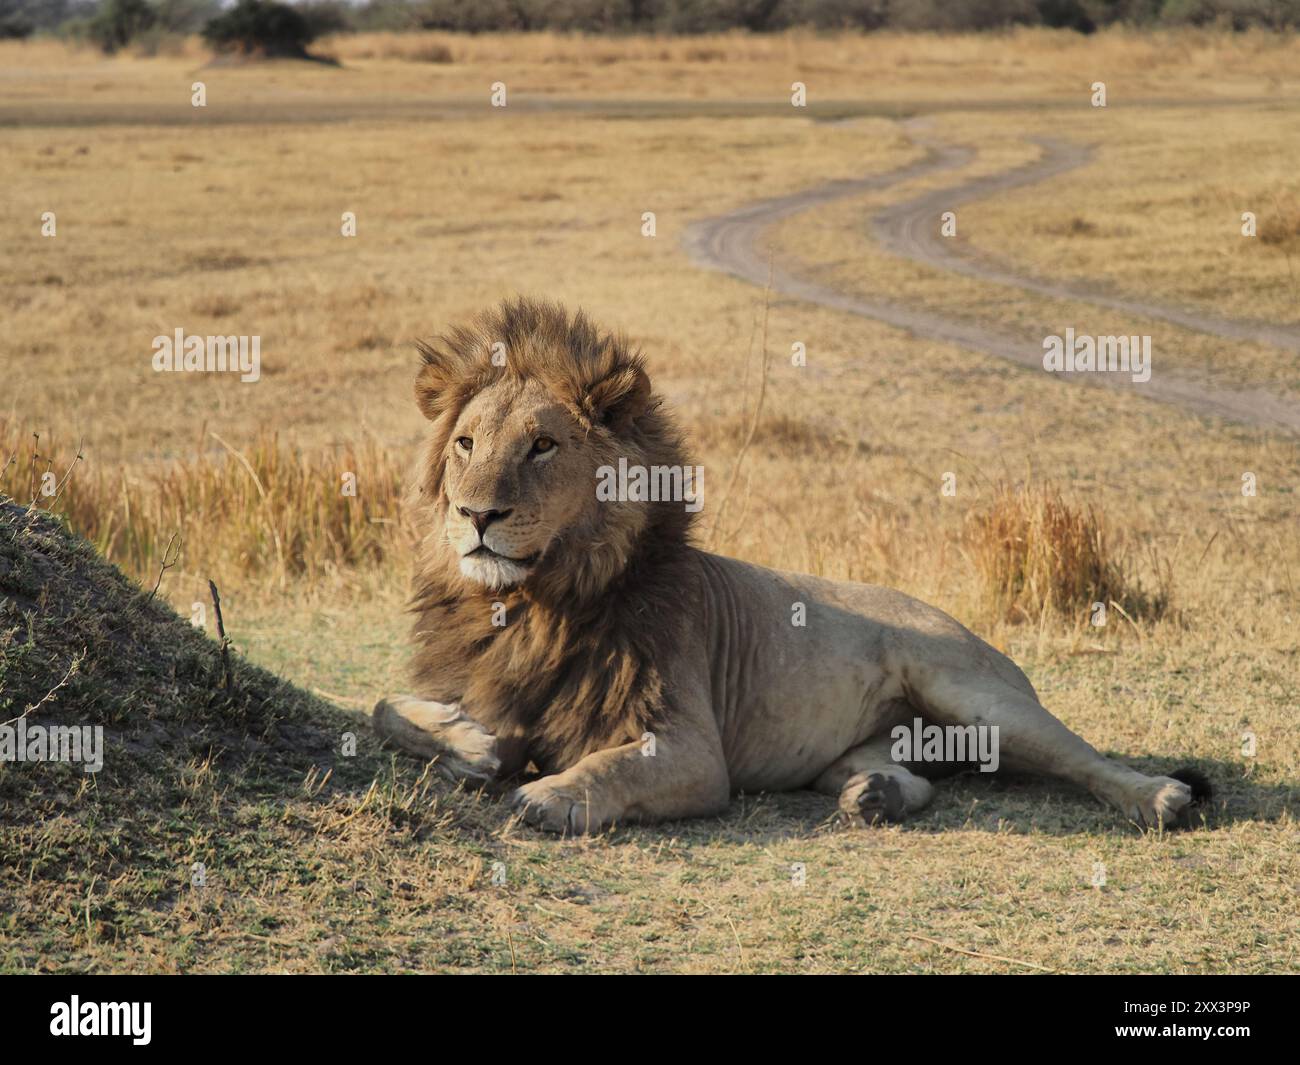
732	243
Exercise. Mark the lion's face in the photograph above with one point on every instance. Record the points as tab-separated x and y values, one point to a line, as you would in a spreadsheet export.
519	446
519	476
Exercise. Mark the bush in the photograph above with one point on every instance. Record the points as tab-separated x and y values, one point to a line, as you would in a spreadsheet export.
1065	14
960	15
15	24
260	27
21	18
1037	553
118	22
1234	14
185	16
713	16
327	16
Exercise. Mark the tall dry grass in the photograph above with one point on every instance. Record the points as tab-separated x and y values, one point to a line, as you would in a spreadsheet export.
1025	61
273	511
1281	227
1033	48
270	510
1034	552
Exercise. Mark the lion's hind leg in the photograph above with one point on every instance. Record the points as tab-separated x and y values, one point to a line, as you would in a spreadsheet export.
1030	738
872	787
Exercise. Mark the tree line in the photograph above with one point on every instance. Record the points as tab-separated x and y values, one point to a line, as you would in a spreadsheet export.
273	25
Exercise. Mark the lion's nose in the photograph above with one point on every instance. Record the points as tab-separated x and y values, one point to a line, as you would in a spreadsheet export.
481	519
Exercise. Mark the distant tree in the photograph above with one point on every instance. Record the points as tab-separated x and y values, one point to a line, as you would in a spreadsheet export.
1133	12
327	16
960	15
260	27
185	16
21	18
397	15
839	14
1234	14
118	22
15	22
1066	14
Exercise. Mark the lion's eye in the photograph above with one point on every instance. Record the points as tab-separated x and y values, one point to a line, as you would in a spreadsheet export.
542	445
465	444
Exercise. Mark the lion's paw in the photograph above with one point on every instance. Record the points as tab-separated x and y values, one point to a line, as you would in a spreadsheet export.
460	748
1162	803
872	799
549	805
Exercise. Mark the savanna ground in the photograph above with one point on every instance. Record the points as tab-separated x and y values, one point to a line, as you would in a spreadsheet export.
226	219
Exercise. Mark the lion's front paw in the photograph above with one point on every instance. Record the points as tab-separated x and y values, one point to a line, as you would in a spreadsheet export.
555	807
461	748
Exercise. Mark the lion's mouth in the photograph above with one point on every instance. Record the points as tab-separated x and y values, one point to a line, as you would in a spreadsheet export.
483	551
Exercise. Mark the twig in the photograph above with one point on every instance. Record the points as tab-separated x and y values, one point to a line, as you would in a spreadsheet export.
58	489
165	564
365	805
31	467
226	680
758	413
980	954
1207	547
1124	614
72	668
31	474
11	460
736	936
257	481
744	380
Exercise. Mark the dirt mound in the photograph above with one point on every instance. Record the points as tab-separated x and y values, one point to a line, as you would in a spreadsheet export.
81	644
207	799
226	825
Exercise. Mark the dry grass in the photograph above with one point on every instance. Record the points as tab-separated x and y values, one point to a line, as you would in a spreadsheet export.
1036	553
884	68
210	229
270	511
409	47
1020	61
1280	227
276	512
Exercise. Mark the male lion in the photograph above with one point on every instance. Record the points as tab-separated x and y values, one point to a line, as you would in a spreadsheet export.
645	678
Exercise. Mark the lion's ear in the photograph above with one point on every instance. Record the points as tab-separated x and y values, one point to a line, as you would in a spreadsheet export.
615	401
435	384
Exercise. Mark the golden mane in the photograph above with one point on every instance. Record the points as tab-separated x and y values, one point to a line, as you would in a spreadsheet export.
574	668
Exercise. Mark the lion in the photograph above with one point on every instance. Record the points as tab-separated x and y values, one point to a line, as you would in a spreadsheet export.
643	678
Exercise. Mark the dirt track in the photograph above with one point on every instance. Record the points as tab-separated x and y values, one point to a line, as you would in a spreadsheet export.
732	243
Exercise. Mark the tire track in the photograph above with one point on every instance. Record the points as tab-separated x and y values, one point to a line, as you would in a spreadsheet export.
731	243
